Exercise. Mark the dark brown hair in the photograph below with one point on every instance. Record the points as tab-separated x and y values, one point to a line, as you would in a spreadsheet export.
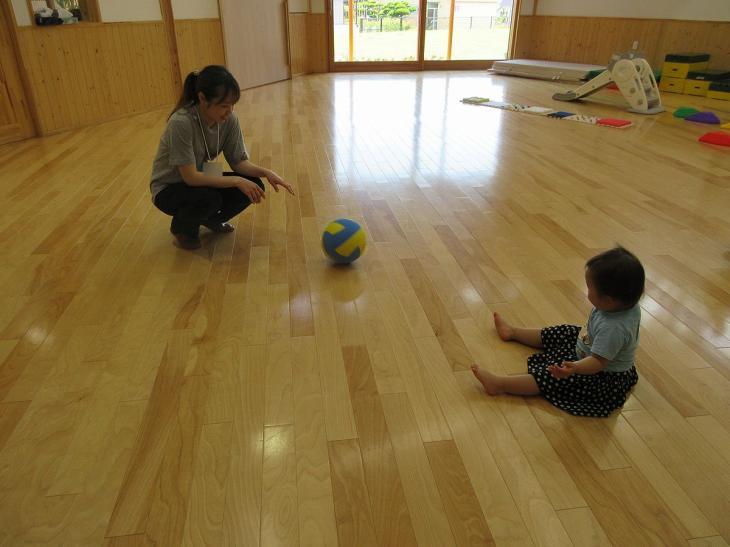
619	274
214	81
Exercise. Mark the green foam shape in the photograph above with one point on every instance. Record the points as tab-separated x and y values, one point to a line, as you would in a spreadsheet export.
684	111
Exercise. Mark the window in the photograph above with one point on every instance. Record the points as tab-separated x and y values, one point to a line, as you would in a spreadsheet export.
56	12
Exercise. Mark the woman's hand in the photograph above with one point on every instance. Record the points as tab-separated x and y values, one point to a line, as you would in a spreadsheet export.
563	370
252	190
276	181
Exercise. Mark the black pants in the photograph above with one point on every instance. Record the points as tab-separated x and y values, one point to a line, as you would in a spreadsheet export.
191	206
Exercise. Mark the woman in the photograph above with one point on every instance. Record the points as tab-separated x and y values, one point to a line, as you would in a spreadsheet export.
187	183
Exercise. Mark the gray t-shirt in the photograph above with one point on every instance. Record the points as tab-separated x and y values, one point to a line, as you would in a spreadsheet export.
613	336
182	143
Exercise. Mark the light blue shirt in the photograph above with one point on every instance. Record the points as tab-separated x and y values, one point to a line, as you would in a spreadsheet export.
613	335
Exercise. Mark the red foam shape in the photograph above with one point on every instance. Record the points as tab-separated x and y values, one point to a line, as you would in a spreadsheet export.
613	122
716	137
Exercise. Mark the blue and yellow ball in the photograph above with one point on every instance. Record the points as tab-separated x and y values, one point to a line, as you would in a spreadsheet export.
343	241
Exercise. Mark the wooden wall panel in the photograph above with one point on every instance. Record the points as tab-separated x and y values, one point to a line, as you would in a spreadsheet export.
199	43
85	74
317	42
594	39
308	43
298	43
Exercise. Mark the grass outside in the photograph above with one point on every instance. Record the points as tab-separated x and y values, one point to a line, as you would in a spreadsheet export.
478	43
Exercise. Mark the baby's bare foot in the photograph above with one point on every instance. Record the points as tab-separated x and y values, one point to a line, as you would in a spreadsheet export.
490	382
504	329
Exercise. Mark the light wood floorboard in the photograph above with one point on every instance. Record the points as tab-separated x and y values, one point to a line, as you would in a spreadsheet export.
249	393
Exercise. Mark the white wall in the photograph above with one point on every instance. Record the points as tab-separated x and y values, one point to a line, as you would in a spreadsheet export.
298	6
526	7
317	6
22	15
130	10
307	6
195	9
694	10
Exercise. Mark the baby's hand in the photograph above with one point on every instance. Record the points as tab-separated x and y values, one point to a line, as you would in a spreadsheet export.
563	370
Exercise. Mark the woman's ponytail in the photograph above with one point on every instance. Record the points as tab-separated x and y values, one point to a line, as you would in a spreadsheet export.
189	93
214	81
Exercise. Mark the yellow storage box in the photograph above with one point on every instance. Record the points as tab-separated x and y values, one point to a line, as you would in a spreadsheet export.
672	85
679	65
696	87
719	90
722	95
698	83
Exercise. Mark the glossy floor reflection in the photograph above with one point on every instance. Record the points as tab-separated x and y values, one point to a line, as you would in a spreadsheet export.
250	394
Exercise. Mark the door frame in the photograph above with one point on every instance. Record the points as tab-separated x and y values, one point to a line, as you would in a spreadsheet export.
24	105
421	63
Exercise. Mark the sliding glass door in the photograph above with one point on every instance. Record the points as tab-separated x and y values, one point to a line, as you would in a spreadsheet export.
459	30
416	34
375	30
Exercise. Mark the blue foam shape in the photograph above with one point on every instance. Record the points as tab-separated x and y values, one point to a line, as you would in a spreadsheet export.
560	114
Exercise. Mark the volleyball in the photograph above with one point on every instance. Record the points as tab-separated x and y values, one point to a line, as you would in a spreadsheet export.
343	241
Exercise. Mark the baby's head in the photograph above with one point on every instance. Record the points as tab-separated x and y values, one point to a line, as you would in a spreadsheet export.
615	280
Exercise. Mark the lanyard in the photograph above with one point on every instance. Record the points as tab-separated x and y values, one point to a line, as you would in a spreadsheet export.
205	142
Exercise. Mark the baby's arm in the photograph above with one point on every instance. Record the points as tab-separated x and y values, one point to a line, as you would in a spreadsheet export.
588	365
609	339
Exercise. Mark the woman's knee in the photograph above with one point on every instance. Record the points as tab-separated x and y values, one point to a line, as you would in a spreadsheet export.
211	197
203	201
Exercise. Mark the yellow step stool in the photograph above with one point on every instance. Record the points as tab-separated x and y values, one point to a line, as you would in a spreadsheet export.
679	65
672	85
698	83
719	90
696	87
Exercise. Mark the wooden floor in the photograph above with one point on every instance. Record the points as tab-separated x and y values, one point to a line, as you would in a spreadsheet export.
250	394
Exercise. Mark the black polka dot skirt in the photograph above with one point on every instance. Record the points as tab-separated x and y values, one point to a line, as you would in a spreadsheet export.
580	394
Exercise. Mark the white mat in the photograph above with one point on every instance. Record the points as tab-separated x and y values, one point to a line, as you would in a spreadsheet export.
544	70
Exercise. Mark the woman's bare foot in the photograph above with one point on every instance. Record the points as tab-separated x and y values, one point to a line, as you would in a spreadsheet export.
490	382
504	329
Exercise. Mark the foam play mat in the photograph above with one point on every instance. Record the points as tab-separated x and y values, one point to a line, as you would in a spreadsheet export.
550	113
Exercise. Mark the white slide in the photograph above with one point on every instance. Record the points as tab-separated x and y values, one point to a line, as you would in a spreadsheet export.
634	78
